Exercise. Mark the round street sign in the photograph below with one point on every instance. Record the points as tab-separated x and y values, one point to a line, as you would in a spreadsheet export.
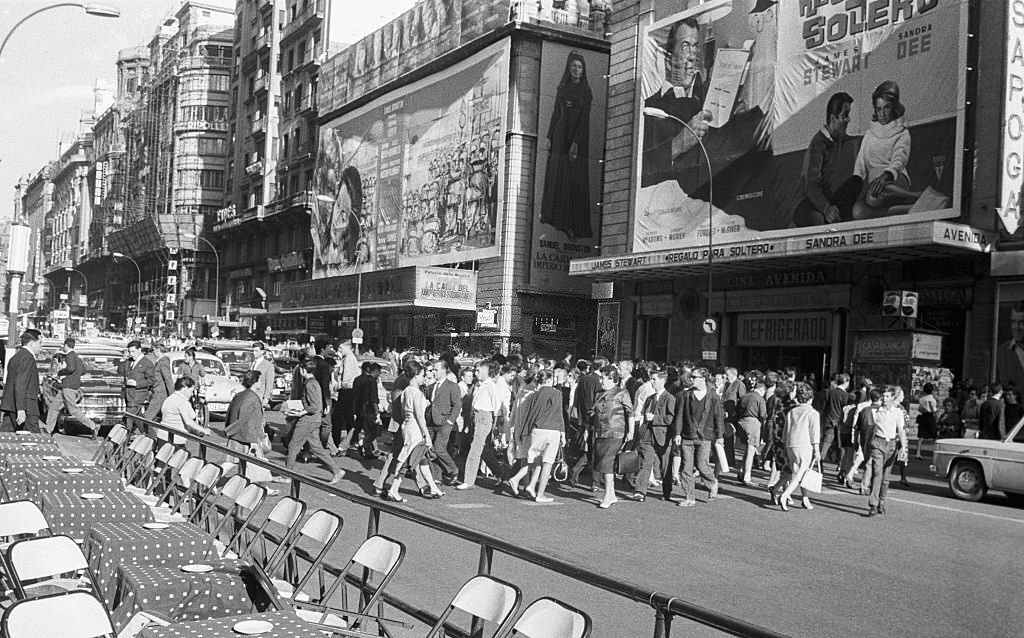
710	326
357	333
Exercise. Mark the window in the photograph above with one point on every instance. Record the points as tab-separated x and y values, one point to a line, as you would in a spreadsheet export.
309	180
211	178
212	146
284	146
276	292
291	61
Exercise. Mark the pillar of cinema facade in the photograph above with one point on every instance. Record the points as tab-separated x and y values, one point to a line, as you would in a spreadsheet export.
458	172
856	155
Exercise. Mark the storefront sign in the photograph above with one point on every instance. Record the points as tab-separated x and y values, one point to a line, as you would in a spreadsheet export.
549	326
423	286
893	347
487	318
784	329
1012	180
608	329
758	83
227	217
807	244
450	288
928	347
787	299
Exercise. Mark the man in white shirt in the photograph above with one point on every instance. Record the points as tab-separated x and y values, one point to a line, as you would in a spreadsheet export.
889	424
347	370
486	404
264	387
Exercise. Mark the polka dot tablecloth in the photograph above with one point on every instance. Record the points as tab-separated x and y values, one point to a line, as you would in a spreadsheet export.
39	480
36	448
7	437
13	467
286	625
68	513
180	595
112	544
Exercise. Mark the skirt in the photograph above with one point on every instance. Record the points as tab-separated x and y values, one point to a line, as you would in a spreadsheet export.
604	455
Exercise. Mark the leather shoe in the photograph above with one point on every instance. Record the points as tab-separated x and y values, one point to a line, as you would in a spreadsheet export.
872	512
638	497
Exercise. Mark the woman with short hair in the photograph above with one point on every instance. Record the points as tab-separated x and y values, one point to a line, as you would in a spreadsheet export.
801	437
612	427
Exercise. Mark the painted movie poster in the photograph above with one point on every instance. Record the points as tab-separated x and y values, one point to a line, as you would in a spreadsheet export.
413	178
570	145
807	114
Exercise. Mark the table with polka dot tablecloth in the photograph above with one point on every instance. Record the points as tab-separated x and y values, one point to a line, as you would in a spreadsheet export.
13	466
109	545
285	625
69	513
23	436
183	596
34	447
39	480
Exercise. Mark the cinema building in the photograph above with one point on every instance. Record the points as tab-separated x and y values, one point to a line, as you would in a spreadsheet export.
804	265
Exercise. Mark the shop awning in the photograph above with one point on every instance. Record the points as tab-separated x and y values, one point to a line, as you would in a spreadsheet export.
820	247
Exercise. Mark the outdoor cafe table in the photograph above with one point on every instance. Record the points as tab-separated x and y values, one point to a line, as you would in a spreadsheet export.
286	625
39	480
112	544
14	466
69	513
39	448
25	436
183	596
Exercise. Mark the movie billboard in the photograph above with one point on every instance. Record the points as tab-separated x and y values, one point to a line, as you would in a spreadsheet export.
806	114
1008	336
413	178
570	145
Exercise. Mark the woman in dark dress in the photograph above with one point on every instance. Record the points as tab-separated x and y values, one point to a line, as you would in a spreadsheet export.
775	445
566	201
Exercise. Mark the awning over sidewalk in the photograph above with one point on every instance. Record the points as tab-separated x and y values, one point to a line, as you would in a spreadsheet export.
821	247
409	287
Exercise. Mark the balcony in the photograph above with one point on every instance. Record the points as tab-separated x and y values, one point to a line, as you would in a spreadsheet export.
262	84
266	5
302	152
203	62
262	43
259	126
308	107
309	60
255	169
309	18
301	201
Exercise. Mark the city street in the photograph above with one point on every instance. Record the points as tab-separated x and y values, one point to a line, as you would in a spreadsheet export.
931	566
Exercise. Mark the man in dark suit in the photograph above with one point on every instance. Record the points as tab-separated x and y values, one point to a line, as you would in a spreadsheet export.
991	415
681	96
139	376
366	403
587	390
1010	353
445	405
652	441
20	403
830	408
163	381
71	386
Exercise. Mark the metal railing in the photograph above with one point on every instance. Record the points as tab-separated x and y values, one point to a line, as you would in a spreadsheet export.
664	605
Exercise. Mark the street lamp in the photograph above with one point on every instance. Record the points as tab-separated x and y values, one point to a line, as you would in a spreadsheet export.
327	199
17	265
85	289
98	9
659	114
138	299
216	283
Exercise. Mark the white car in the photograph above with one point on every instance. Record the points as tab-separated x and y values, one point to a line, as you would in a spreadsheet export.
974	466
218	384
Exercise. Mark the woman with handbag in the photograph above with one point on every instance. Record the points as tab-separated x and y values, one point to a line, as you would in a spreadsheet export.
612	428
416	441
245	428
774	452
801	436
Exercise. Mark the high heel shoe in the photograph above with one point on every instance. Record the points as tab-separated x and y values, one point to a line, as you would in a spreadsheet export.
807	504
783	503
774	496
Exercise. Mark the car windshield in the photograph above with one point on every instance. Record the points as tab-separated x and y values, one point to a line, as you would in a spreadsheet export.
212	366
101	363
235	356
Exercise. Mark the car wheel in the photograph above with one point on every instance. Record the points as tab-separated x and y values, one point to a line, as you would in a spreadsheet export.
967	481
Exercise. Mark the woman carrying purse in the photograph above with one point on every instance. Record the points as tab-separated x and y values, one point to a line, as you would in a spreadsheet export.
801	436
612	428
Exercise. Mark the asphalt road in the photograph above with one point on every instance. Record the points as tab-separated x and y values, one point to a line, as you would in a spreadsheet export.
931	566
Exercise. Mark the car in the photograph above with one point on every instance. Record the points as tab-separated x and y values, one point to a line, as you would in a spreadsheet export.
236	354
387	371
284	368
972	467
219	385
102	400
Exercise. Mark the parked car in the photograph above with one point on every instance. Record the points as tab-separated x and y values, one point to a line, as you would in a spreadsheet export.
218	385
102	400
975	466
237	355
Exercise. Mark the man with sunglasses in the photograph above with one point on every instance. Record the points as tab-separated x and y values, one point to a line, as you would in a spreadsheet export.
698	425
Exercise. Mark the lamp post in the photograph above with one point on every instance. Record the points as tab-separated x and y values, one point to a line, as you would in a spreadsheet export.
20	240
138	291
328	200
660	114
216	283
98	9
85	289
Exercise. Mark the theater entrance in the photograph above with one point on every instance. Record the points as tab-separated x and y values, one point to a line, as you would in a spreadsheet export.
808	341
806	360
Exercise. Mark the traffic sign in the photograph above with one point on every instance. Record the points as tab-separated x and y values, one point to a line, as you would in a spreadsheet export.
357	340
357	333
709	326
709	355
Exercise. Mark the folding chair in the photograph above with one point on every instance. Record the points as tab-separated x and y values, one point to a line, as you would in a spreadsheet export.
321	531
144	481
162	479
37	566
19	518
181	479
198	490
221	502
137	456
285	513
242	513
377	559
550	618
108	453
69	615
485	597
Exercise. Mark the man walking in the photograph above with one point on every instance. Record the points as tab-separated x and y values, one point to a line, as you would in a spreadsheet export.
347	371
264	386
139	375
991	415
308	423
445	405
751	414
833	400
889	424
698	425
20	403
71	385
652	439
163	384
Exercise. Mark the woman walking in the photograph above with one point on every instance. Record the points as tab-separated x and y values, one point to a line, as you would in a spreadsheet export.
927	417
544	421
775	446
801	436
415	438
612	427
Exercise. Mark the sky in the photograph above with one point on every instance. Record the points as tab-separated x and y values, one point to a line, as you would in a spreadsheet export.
50	66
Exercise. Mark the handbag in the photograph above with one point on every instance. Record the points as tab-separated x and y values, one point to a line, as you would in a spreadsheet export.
627	462
811	480
560	470
723	460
